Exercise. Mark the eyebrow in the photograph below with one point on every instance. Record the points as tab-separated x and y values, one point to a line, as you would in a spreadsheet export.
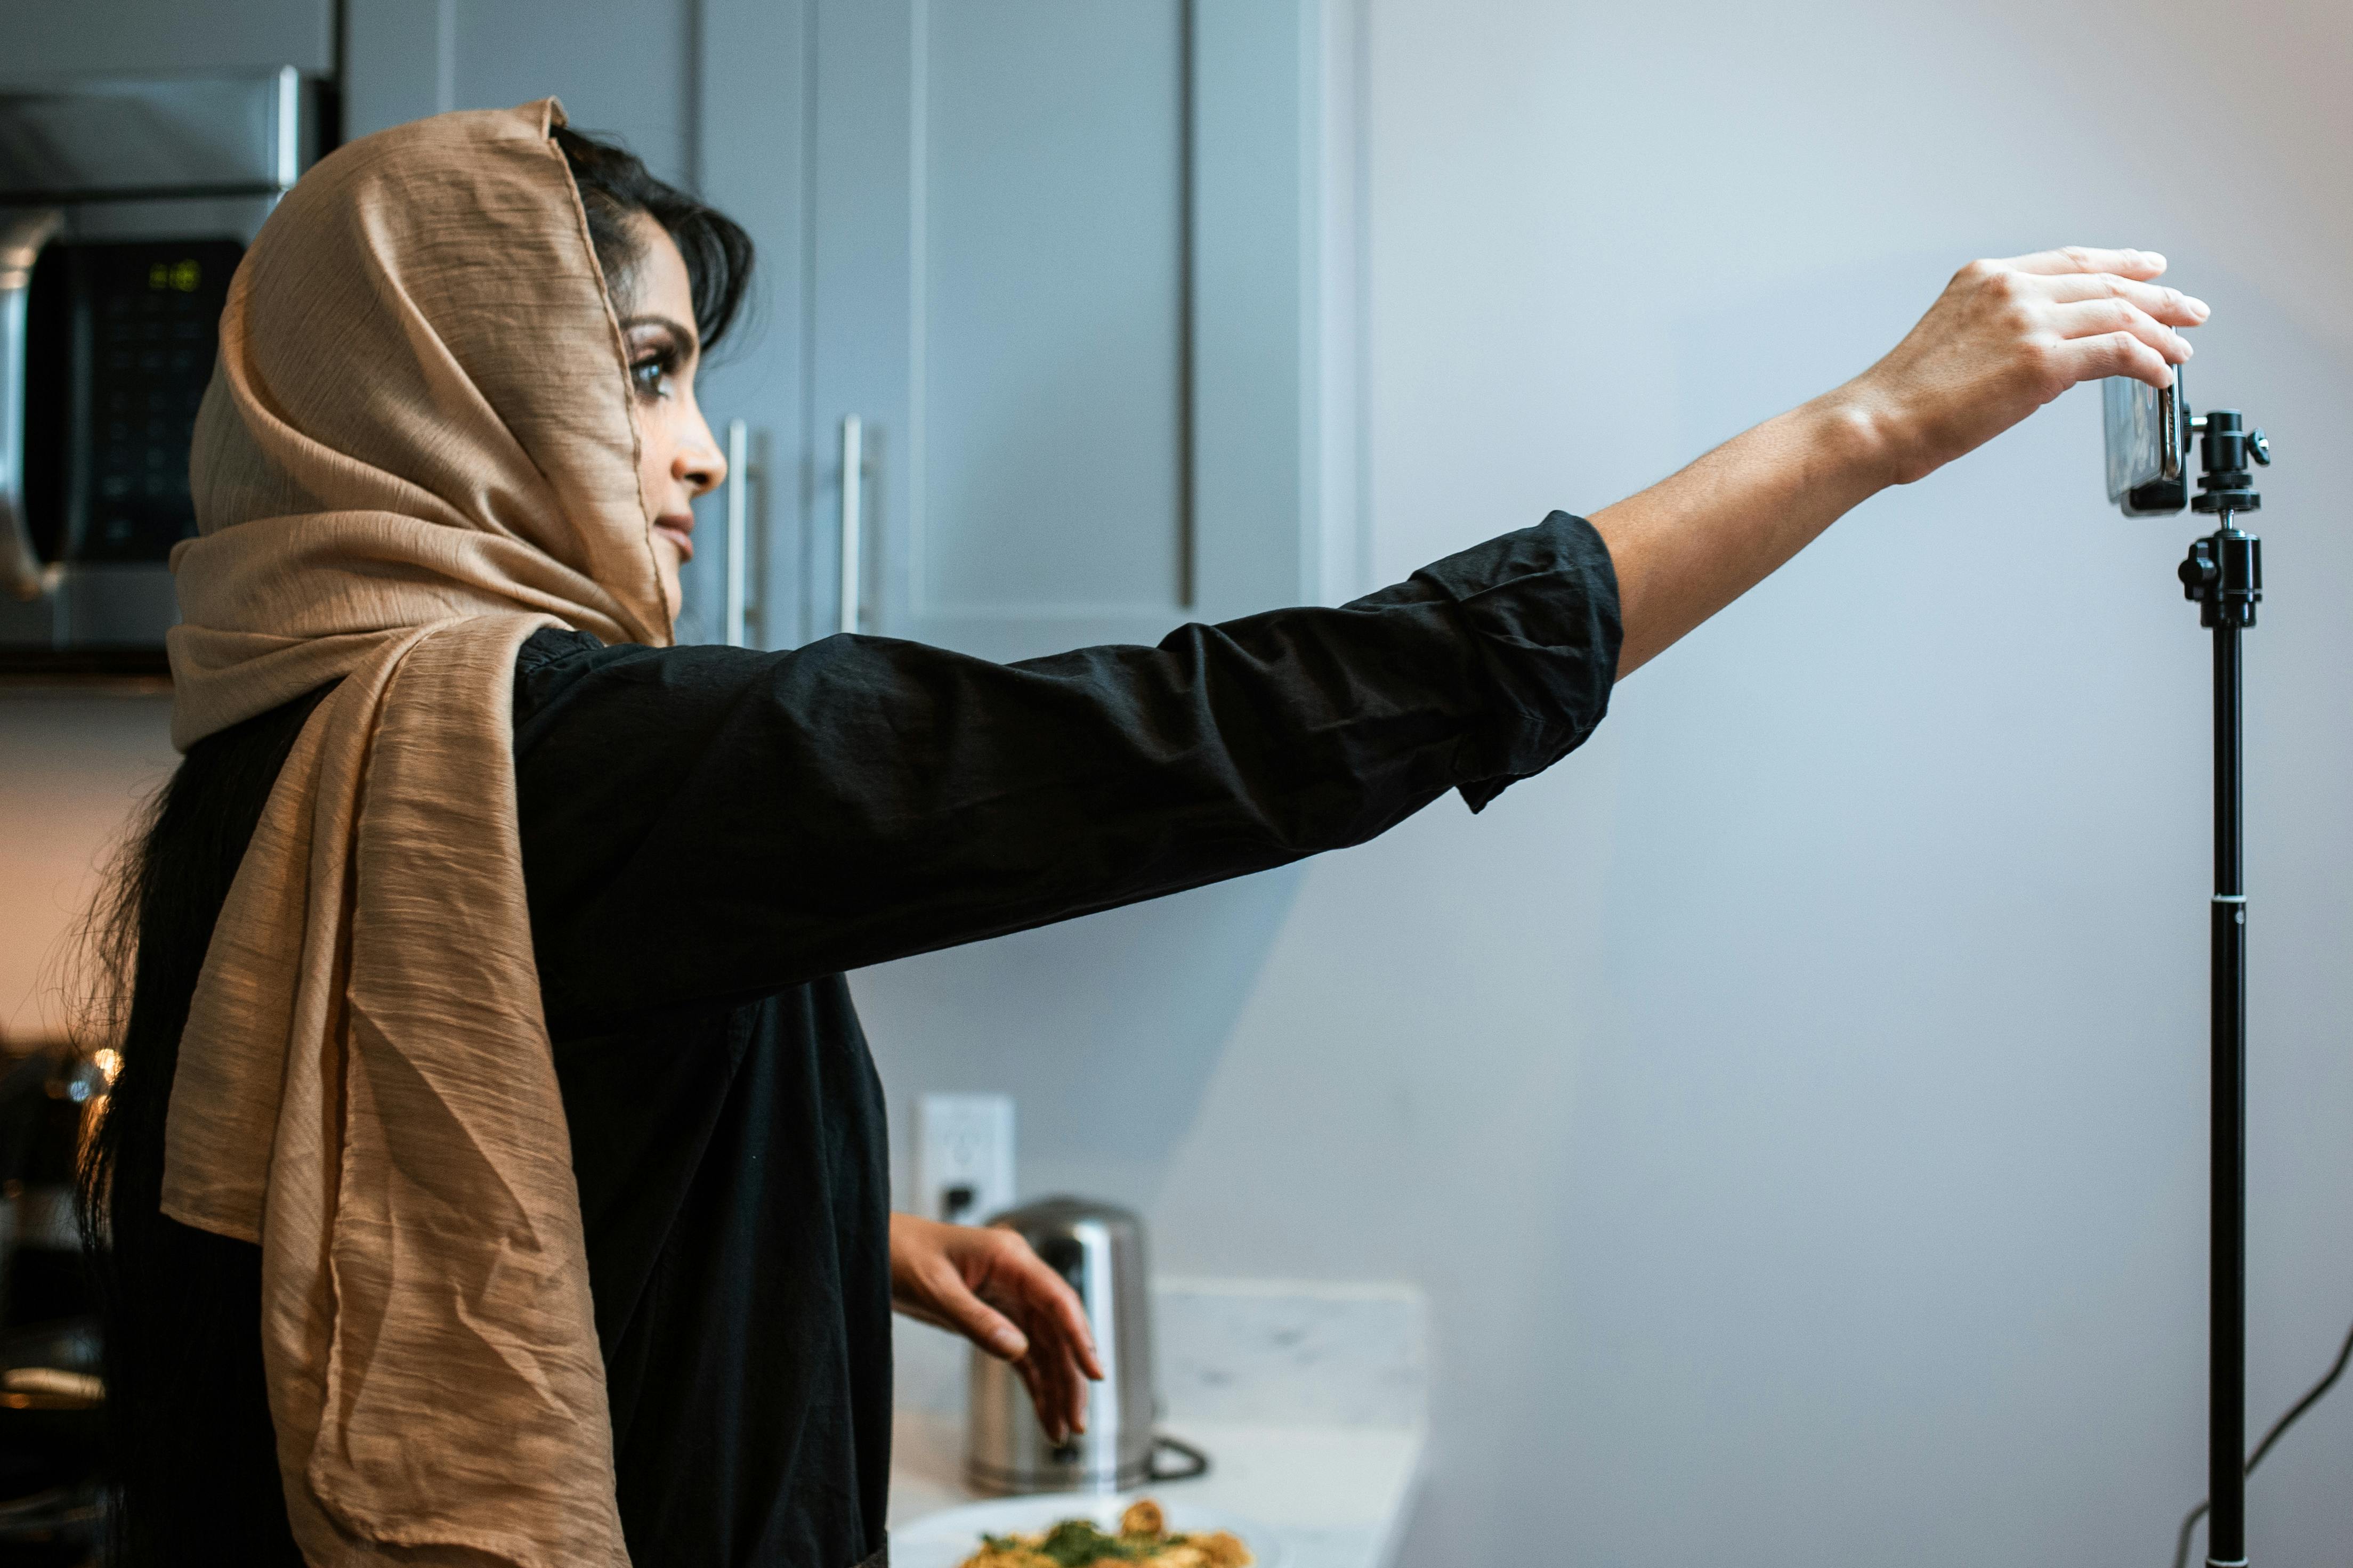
678	330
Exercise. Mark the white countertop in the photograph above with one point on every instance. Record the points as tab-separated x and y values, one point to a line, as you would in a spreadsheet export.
1339	1494
1307	1399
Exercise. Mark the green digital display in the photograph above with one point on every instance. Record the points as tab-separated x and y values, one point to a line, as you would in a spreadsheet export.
183	277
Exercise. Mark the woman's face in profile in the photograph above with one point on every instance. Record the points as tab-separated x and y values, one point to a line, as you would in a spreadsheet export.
677	458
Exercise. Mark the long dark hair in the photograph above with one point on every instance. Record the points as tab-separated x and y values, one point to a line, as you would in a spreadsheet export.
191	1465
189	1437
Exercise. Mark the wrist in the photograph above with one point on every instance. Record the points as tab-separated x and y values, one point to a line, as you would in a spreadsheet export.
909	1233
1858	441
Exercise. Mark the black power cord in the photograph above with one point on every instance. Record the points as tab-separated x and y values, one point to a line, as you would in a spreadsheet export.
2279	1428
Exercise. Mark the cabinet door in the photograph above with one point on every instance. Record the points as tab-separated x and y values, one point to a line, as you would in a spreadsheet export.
43	39
1055	257
752	99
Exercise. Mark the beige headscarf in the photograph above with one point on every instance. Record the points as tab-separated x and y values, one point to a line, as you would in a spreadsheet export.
416	450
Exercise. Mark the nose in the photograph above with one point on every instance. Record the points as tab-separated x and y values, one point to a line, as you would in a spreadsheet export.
700	466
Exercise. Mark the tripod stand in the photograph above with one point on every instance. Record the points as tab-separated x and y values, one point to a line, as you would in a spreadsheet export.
2223	573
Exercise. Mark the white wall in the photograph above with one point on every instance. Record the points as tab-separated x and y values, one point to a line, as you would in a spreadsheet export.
1794	1103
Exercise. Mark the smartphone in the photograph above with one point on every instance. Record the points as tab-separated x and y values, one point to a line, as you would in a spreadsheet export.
2147	436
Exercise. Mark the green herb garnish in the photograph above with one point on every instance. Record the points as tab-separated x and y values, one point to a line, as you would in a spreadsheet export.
1077	1543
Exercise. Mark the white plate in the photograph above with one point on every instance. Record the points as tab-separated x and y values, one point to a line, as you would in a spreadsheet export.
944	1540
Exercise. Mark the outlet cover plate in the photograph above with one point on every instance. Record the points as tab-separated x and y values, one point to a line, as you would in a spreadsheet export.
964	1156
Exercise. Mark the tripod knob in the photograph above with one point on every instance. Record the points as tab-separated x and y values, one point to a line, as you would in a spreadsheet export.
2199	570
2259	447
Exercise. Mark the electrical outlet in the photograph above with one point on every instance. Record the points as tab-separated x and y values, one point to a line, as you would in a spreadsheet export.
964	1156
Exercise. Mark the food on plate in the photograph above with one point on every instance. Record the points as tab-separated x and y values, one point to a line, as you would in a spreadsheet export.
1144	1537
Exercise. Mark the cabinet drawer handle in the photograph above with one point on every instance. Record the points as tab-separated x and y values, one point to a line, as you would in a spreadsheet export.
853	522
739	475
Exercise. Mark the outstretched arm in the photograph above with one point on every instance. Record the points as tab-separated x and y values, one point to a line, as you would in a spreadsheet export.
2004	339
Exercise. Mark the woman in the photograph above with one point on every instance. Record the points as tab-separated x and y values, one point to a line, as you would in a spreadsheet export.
487	1047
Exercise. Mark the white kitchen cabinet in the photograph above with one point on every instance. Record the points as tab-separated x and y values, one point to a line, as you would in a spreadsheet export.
44	39
1067	265
622	67
1081	272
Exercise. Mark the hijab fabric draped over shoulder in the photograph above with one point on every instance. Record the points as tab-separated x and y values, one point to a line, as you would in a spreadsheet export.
416	450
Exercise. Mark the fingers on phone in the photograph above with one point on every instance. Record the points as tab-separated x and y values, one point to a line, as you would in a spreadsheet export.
2090	317
2109	354
2170	306
2136	263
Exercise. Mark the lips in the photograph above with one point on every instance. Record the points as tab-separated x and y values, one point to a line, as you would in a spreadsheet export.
679	531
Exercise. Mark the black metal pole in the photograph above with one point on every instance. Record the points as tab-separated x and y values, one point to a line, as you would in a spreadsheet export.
2226	1441
2224	576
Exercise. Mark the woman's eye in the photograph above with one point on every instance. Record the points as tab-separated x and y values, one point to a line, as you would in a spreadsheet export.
650	375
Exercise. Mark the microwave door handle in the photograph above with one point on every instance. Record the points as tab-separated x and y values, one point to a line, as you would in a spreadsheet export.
22	235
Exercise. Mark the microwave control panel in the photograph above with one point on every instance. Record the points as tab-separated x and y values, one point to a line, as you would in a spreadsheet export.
122	337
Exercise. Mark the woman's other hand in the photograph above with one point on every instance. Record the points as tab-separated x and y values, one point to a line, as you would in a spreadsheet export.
987	1285
2007	337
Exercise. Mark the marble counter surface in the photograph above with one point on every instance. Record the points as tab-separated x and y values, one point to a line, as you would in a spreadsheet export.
1308	1398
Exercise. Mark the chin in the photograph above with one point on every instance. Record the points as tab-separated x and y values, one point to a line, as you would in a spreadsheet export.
666	573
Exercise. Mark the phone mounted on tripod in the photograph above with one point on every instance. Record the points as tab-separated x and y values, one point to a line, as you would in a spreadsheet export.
2149	433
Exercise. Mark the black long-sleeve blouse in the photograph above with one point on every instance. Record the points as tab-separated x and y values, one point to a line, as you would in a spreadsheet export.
711	835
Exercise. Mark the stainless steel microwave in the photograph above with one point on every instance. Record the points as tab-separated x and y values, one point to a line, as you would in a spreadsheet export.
124	208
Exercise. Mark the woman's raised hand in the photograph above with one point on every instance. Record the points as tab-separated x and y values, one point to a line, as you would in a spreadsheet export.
987	1285
2007	337
2004	339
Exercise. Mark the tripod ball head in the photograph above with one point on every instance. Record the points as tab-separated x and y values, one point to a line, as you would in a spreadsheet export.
2226	447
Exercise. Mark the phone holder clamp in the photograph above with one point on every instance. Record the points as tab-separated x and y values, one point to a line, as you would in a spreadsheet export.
2224	573
2225	449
